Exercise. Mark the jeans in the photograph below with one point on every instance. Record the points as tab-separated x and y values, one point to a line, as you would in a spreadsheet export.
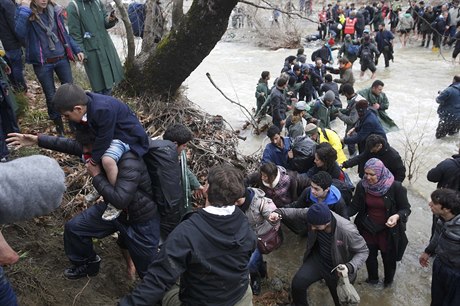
7	295
17	69
256	262
309	273
445	289
45	75
141	239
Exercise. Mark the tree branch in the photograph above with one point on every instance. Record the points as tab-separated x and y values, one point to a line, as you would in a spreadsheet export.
271	8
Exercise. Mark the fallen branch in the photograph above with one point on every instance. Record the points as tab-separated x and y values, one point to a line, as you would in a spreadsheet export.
248	115
81	291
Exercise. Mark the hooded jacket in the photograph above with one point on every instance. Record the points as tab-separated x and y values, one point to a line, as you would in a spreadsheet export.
210	253
389	156
333	199
258	211
366	125
445	242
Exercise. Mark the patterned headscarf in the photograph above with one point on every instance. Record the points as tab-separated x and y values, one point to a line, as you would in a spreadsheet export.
384	178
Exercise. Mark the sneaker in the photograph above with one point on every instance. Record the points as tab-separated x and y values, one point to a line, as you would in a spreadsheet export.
89	269
110	213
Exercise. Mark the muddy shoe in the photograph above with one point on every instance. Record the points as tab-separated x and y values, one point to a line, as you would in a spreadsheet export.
110	213
89	269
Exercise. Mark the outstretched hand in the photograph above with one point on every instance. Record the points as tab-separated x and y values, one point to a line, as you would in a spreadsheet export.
22	140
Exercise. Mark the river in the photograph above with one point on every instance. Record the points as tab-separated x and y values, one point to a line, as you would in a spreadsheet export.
411	84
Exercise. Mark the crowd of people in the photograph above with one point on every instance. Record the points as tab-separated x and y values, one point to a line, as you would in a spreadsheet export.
214	255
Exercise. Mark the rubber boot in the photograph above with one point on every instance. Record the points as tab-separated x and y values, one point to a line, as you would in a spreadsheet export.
59	127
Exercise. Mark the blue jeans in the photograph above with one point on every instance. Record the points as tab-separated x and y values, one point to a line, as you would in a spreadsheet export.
141	239
256	262
7	295
45	75
17	69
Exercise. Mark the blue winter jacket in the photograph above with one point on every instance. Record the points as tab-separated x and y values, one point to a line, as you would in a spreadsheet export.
449	101
276	155
109	119
383	39
28	31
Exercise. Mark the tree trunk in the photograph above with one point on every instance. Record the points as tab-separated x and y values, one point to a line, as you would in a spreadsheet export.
153	26
161	72
177	12
129	33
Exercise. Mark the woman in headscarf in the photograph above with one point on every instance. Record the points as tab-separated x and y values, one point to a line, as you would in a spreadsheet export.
48	48
383	210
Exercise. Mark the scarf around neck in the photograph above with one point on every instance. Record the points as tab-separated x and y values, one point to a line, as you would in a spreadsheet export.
52	38
384	178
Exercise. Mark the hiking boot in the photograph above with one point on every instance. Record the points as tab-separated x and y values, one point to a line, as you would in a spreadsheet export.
88	269
110	213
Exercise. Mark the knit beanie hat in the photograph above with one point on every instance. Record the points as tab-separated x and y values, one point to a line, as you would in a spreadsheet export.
329	96
311	129
319	214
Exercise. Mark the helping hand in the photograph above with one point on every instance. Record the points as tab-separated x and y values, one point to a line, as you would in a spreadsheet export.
274	216
424	259
19	140
93	170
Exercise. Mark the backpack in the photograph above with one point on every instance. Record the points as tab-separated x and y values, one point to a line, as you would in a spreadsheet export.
164	170
346	188
136	14
352	49
366	53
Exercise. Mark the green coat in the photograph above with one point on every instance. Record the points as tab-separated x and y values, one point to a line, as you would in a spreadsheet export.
103	65
388	124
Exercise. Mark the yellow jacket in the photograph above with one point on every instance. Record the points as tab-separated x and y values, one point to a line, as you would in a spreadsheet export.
334	141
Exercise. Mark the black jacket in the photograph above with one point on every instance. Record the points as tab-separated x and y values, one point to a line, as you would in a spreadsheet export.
389	156
445	172
8	35
210	253
396	202
278	104
133	190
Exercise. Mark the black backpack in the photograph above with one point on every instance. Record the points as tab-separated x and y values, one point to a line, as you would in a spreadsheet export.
346	189
366	53
165	173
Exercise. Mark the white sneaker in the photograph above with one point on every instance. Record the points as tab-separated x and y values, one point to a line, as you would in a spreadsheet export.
110	213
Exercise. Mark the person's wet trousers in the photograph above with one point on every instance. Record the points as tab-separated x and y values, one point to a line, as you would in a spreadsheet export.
389	265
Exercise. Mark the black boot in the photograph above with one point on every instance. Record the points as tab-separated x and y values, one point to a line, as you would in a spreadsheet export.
255	283
59	127
91	268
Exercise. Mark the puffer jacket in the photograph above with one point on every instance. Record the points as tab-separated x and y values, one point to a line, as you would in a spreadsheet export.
348	246
133	190
445	242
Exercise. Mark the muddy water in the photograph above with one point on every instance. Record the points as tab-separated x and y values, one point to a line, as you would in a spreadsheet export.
411	84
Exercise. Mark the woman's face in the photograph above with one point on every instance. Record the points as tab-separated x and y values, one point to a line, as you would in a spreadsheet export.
41	3
370	176
318	162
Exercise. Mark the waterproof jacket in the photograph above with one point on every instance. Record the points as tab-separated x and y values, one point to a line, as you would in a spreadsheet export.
108	119
209	253
88	22
445	242
327	135
262	87
445	172
395	202
348	246
387	123
322	112
277	155
258	212
449	101
333	200
366	125
8	36
132	192
28	32
389	156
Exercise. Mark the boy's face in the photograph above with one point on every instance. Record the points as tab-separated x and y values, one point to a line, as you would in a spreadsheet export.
76	114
